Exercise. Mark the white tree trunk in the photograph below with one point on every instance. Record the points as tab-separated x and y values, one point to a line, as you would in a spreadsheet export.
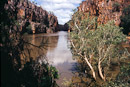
93	72
100	70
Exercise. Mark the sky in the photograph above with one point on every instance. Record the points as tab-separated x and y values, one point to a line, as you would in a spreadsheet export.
61	8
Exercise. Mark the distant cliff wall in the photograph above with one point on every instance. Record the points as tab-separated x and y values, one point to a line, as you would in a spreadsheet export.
28	15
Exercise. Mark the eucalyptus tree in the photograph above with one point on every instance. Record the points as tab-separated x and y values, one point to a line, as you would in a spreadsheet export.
96	44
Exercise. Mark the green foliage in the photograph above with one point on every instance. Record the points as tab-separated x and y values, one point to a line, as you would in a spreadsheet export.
125	20
35	74
123	79
29	29
126	10
100	43
110	34
54	72
125	71
103	37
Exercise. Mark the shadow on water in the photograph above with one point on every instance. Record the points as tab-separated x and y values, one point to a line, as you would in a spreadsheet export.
57	52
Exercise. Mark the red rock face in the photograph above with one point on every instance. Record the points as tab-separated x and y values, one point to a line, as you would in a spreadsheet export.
105	10
21	13
26	12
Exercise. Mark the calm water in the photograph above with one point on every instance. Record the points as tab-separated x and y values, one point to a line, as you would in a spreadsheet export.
57	52
56	49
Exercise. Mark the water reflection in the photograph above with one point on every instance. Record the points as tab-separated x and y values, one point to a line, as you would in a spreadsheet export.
46	42
61	54
61	58
56	48
57	52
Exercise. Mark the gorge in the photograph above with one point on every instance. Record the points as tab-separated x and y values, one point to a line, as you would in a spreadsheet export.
92	49
32	18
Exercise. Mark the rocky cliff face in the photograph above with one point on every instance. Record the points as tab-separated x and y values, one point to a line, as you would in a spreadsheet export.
105	10
30	16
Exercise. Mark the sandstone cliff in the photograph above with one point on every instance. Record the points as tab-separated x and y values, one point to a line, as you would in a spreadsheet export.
28	15
105	10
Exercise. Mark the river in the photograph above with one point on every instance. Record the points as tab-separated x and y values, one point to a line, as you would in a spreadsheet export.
58	53
56	50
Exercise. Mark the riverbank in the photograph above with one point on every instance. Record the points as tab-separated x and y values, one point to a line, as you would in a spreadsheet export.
57	52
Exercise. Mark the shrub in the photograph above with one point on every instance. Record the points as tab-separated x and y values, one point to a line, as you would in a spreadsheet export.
123	78
35	74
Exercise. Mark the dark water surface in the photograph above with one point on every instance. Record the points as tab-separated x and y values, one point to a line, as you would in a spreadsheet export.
57	52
